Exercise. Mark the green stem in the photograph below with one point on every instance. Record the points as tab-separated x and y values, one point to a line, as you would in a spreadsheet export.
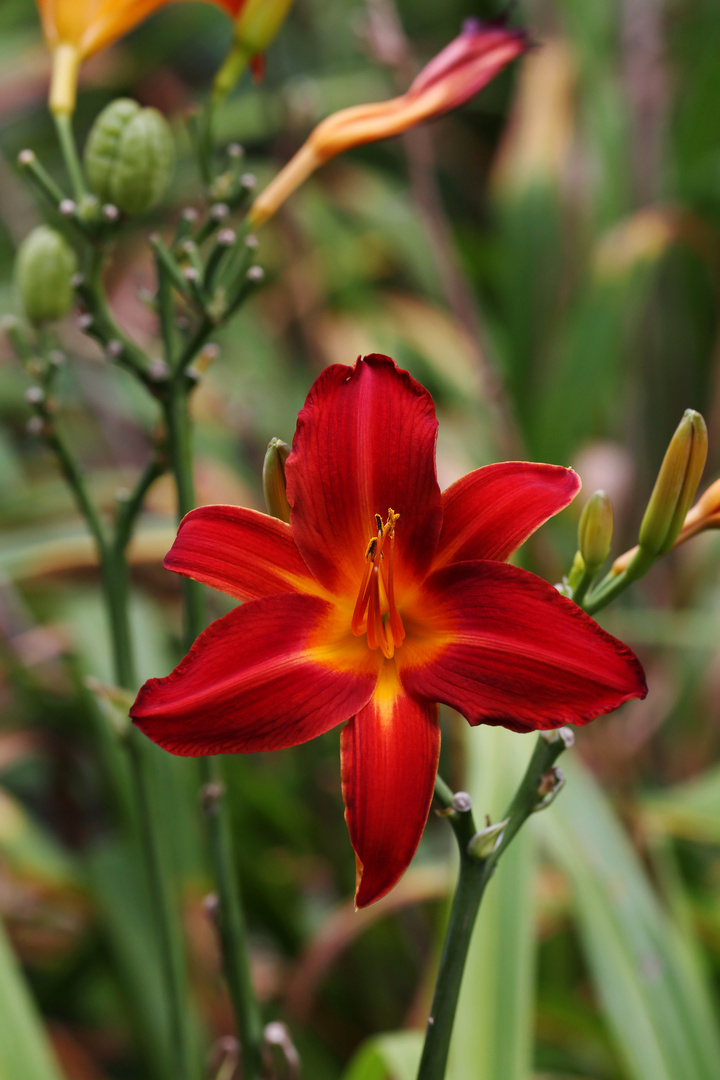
63	124
115	583
612	585
230	918
474	876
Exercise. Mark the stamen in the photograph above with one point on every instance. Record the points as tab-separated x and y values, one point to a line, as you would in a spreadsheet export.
377	592
356	623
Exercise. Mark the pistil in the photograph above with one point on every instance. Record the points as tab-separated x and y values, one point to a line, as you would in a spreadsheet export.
376	612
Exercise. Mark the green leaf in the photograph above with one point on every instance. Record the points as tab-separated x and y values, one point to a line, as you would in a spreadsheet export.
25	1052
387	1057
654	998
494	1022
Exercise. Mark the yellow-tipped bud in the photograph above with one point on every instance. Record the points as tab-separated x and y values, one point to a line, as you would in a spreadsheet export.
274	482
675	486
256	27
595	531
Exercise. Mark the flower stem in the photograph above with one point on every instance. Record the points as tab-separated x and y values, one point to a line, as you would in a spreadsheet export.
114	577
66	138
230	918
613	585
474	875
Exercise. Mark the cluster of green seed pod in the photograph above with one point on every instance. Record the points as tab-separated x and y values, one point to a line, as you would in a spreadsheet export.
129	156
44	269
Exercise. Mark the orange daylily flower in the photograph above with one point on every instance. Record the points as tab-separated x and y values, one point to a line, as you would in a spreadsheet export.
75	29
455	75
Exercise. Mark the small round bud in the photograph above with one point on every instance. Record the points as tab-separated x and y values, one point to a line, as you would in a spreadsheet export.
211	905
67	208
252	242
44	268
235	151
35	395
226	237
248	181
191	274
190	215
77	281
56	358
273	479
461	802
595	531
256	274
35	426
676	485
114	349
85	322
26	157
219	211
158	370
130	156
110	213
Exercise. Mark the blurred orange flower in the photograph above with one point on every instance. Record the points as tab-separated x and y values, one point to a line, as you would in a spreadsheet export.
74	29
455	75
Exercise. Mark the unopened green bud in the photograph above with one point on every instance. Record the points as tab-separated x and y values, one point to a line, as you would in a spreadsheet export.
483	843
675	486
595	531
274	482
44	269
129	156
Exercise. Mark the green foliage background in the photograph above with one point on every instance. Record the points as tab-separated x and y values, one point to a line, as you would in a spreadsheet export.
546	262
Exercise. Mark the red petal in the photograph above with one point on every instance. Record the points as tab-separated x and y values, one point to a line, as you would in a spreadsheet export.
469	62
389	755
241	552
365	441
507	648
489	513
273	673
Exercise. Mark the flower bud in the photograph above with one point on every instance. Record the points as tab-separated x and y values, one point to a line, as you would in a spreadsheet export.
455	75
44	269
257	24
274	482
675	486
129	156
705	514
595	531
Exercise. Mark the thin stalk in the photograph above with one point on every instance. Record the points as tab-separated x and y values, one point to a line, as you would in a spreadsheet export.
114	579
612	585
230	918
475	873
66	138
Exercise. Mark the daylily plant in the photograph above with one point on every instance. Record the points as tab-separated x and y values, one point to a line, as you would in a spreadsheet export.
381	598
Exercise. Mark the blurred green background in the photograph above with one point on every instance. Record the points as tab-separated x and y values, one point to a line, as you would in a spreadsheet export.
547	263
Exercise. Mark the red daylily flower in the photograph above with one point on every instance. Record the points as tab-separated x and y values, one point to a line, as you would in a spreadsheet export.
381	598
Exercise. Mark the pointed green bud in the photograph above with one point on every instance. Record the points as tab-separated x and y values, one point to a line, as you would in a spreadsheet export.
484	842
44	269
675	486
595	531
274	479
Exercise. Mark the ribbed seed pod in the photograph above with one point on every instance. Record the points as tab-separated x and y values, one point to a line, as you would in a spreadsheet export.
44	268
129	156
